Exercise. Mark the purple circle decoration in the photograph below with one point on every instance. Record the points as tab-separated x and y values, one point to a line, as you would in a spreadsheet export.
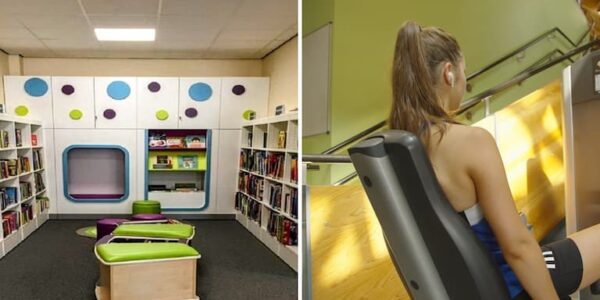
154	86
109	114
238	89
191	112
67	89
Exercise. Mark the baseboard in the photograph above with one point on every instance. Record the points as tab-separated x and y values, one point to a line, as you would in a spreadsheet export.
124	216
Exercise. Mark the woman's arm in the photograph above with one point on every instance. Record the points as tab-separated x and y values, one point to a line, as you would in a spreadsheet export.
520	249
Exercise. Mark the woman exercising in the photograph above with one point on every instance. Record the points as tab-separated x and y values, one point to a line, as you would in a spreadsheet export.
428	83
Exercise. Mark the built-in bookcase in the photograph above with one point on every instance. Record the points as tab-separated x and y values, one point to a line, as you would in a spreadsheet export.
267	195
23	195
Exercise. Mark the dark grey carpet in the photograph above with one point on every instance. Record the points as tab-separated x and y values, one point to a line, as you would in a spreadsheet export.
55	263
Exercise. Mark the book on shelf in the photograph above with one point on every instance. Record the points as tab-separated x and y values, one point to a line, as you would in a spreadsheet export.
39	182
8	196
294	168
18	137
249	139
275	196
10	222
37	159
254	211
4	139
246	159
34	140
157	187
186	187
275	163
23	165
26	213
260	162
26	190
162	162
281	139
8	168
175	142
195	141
187	162
283	229
264	140
42	204
157	140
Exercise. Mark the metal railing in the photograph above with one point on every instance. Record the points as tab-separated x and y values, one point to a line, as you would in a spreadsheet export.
465	105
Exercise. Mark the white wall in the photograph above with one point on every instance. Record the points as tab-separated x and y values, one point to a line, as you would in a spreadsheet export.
282	67
140	67
3	71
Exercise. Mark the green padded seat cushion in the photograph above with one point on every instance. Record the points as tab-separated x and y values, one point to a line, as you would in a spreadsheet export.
125	252
170	231
146	203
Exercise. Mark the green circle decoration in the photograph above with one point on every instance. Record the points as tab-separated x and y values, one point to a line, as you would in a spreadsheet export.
162	115
21	110
247	113
75	114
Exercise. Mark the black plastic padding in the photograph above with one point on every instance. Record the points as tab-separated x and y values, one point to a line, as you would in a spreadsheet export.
595	288
466	268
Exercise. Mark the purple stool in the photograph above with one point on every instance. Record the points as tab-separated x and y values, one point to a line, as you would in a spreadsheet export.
106	226
148	217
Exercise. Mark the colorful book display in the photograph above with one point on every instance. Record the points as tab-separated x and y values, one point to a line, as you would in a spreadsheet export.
8	196
10	222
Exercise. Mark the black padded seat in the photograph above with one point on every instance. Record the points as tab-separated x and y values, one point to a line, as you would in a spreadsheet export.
433	248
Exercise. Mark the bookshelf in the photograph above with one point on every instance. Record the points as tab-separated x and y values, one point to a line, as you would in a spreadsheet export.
267	192
24	203
177	167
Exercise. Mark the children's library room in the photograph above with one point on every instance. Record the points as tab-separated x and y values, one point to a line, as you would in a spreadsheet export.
149	149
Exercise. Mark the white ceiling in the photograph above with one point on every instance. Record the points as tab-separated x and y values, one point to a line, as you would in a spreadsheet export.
184	28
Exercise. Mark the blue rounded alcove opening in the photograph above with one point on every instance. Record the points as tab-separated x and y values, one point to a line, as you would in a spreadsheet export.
96	173
118	90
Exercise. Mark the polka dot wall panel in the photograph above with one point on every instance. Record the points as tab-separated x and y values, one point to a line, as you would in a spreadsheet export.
240	98
157	102
199	102
115	102
30	97
73	102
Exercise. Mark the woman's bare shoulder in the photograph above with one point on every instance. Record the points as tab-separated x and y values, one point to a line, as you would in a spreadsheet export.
469	139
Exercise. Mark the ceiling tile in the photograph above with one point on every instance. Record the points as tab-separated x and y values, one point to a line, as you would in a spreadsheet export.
187	23
9	22
183	45
79	33
184	35
243	35
72	44
54	21
268	7
120	7
199	7
257	22
16	33
237	44
123	21
39	7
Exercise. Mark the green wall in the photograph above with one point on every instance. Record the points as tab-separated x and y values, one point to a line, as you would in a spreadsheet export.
363	41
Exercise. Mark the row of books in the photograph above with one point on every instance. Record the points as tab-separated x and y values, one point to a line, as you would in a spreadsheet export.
161	140
8	196
26	190
275	165
246	159
39	182
285	230
37	159
10	222
251	185
23	165
290	203
26	213
18	137
281	139
275	196
248	207
43	204
260	162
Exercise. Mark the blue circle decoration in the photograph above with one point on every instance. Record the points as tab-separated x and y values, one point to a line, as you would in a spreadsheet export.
36	87
200	91
118	90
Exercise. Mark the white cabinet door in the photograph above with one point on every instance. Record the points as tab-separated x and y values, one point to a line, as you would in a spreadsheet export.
157	102
239	97
73	102
199	102
29	96
115	102
228	162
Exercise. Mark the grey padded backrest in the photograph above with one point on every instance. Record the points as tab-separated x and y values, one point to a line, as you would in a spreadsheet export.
433	248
